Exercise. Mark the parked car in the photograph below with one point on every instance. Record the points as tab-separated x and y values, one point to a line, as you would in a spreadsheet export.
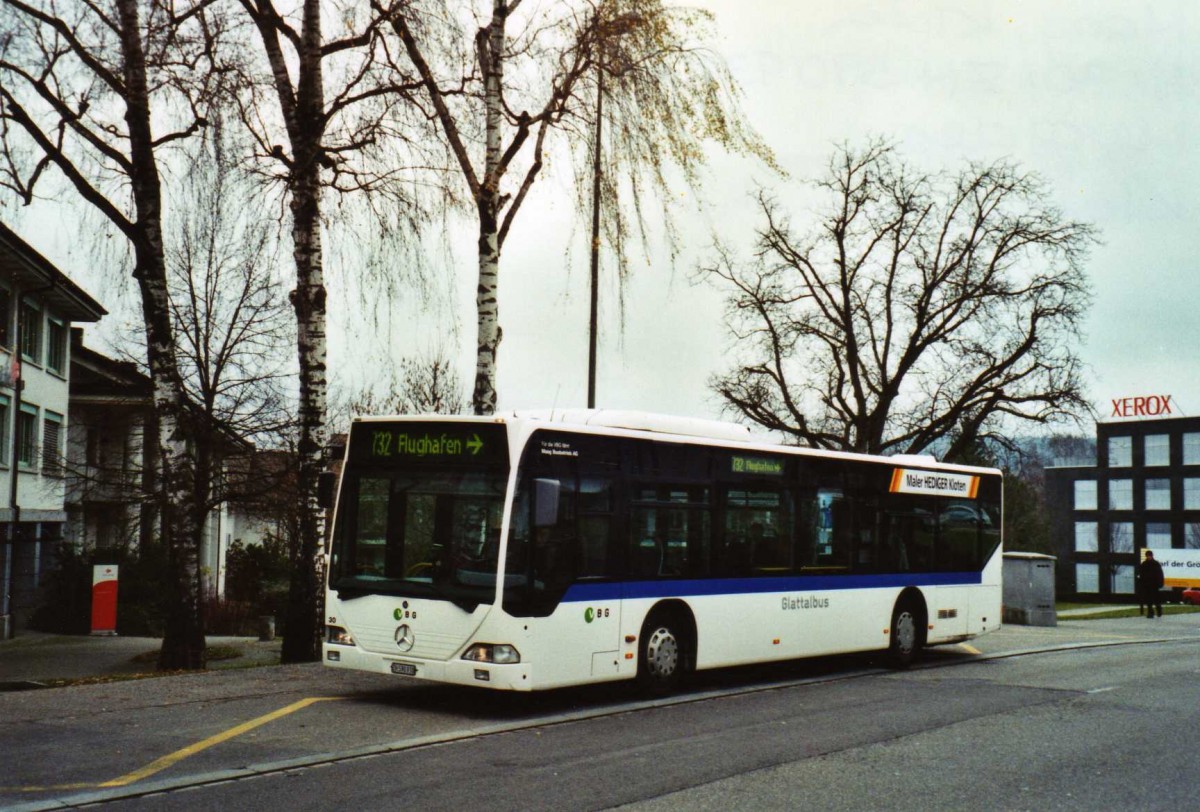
1192	595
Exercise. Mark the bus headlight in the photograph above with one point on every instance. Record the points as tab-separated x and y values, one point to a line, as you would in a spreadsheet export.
498	653
338	636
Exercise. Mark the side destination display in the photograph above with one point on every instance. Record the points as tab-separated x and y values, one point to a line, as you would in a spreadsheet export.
934	483
757	465
382	443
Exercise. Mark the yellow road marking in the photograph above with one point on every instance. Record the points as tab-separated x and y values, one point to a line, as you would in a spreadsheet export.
179	755
163	763
969	649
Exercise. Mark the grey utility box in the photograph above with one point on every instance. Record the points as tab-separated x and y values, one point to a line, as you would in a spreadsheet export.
1029	589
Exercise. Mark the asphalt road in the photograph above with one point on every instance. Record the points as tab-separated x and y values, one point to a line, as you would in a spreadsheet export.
1106	728
1101	728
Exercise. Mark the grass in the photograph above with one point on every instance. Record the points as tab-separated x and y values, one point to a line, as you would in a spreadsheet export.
220	657
211	653
1122	611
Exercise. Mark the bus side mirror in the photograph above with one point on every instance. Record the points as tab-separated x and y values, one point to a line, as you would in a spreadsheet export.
545	496
326	488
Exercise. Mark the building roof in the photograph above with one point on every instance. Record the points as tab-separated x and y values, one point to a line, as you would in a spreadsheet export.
97	378
32	271
1116	425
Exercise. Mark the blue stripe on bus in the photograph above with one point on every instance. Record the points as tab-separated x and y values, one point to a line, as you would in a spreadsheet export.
749	586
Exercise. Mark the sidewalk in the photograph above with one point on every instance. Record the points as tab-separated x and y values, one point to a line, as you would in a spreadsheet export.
36	657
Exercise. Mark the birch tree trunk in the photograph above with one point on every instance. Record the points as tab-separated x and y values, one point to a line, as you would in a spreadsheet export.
183	639
302	640
491	56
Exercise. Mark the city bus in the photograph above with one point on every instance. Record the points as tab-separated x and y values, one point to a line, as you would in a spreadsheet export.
538	550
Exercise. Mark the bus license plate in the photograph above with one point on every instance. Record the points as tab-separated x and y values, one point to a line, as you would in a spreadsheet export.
404	669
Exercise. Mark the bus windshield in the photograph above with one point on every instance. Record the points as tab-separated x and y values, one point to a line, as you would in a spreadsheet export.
430	532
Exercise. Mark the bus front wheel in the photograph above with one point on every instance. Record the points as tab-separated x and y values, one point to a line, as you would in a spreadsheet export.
662	655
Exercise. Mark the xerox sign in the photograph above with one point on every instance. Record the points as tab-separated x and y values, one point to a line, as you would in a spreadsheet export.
1143	406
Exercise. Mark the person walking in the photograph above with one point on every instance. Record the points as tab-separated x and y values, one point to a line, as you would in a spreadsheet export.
1150	583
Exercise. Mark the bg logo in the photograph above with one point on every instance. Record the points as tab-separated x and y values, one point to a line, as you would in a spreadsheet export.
591	613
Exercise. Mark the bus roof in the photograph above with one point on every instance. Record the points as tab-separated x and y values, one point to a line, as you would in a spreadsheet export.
681	427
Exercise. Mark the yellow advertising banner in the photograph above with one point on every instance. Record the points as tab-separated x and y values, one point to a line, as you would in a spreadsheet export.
1180	567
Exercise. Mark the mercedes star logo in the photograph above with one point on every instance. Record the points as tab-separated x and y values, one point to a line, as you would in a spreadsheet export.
405	638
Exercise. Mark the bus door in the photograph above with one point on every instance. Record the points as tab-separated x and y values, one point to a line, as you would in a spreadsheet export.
575	567
597	569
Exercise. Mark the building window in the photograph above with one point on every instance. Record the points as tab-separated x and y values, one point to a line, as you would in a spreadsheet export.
56	346
1120	537
1120	452
1191	448
1191	535
1122	579
1086	537
1158	494
1158	449
27	422
1120	494
52	459
31	333
5	422
1085	494
1158	536
5	317
1191	493
1087	577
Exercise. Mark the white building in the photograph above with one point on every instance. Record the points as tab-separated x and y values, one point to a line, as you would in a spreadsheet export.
111	499
38	304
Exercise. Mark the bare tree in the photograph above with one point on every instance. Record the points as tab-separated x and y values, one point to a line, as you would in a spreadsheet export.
922	309
83	88
324	131
1071	449
232	325
499	98
426	384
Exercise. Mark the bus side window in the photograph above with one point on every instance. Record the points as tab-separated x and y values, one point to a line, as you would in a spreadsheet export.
907	532
757	534
832	531
595	527
989	536
896	534
660	542
671	541
555	559
866	553
646	557
959	523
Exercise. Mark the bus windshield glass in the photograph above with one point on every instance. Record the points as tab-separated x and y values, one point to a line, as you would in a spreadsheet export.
421	527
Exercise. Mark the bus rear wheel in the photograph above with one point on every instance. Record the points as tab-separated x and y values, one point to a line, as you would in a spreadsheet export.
905	639
662	655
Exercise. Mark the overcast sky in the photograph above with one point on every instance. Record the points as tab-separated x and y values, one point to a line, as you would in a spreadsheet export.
1098	96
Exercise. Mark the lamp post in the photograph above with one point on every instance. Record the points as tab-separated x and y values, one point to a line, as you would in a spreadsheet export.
593	321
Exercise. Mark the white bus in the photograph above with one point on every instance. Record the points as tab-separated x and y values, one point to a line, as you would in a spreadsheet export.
540	550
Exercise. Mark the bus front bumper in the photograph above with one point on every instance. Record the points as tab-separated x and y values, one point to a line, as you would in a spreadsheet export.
456	672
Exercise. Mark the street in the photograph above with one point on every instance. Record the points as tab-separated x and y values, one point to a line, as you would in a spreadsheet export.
1105	725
